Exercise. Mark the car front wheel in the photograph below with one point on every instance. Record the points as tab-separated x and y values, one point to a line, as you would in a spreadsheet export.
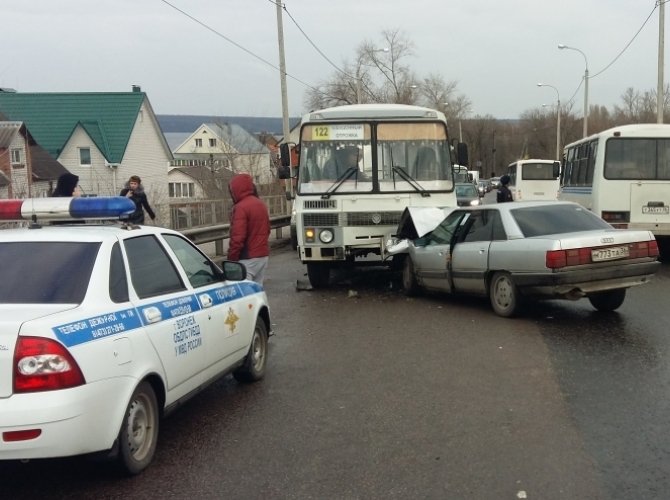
409	283
253	368
139	430
608	301
504	295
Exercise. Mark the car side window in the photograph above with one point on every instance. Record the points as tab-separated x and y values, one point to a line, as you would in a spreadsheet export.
479	227
151	269
443	233
118	283
198	267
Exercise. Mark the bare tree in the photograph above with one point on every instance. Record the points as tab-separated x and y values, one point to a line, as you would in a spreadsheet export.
379	74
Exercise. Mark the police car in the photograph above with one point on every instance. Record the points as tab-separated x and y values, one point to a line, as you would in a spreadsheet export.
107	326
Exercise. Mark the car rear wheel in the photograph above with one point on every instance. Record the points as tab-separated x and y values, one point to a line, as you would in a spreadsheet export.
139	430
318	274
253	368
504	295
608	301
409	283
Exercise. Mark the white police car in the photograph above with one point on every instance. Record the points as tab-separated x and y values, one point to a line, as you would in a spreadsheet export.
105	327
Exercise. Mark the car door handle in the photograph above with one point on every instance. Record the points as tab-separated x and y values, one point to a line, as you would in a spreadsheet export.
206	300
152	315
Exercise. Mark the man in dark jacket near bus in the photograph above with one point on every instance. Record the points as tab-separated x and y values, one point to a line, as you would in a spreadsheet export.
249	228
504	194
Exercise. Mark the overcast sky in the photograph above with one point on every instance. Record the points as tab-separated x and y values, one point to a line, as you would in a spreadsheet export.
497	50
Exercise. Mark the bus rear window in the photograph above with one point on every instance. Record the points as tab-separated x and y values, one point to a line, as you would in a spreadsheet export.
537	172
46	272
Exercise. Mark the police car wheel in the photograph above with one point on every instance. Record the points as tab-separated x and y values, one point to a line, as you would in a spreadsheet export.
139	431
253	368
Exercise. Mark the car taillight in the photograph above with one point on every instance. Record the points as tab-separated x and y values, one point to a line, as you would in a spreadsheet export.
555	259
44	365
574	257
644	249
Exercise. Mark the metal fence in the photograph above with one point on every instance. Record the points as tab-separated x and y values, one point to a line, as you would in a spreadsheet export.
193	214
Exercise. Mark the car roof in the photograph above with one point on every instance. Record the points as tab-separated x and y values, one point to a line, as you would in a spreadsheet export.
79	232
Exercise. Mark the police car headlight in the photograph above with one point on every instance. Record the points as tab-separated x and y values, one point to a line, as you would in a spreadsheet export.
326	236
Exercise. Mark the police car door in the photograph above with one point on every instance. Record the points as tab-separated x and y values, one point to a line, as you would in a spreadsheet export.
227	327
170	313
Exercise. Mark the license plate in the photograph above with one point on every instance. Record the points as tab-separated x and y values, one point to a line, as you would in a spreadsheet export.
655	210
611	253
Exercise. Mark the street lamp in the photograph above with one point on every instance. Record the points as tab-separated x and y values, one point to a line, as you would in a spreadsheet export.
558	118
586	85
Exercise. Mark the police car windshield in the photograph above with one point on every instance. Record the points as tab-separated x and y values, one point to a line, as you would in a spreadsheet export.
46	272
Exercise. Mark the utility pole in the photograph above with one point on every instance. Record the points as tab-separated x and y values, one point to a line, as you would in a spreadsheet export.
286	130
660	98
282	73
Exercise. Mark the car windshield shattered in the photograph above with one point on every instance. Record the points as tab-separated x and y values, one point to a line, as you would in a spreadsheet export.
556	219
63	275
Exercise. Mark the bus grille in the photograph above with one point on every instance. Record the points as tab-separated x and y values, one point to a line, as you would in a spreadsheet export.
353	219
320	204
321	219
373	218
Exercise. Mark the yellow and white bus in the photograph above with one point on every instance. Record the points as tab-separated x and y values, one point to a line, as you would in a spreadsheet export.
623	175
360	166
534	179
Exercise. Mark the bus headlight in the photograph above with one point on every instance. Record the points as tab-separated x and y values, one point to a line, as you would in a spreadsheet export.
326	236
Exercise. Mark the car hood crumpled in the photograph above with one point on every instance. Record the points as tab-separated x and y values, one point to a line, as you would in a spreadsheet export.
416	222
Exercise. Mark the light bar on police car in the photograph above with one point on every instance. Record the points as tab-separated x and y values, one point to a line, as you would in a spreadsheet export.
110	207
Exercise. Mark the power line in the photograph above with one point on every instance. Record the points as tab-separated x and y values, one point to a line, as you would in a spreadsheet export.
628	44
620	53
239	46
311	42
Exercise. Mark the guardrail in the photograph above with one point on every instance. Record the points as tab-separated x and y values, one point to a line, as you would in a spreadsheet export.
218	233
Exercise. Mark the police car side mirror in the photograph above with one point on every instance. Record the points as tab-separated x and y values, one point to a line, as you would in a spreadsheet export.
234	271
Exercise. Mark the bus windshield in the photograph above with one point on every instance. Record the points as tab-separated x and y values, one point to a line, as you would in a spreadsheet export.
408	157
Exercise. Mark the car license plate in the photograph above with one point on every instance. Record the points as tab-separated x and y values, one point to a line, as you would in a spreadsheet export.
611	253
655	210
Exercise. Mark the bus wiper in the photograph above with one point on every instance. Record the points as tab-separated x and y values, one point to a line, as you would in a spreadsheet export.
402	173
339	181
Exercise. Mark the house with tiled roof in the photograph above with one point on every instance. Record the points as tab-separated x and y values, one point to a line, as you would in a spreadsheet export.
224	146
103	137
26	169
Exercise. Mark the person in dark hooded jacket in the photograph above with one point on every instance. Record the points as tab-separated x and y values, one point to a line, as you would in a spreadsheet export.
66	186
504	194
249	228
134	190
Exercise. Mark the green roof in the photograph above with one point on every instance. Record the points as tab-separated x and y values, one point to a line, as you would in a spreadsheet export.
108	118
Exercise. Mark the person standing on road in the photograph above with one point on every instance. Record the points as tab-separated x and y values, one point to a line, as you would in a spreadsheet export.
504	194
135	191
249	228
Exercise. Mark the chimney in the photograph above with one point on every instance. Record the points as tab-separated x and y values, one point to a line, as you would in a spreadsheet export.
137	88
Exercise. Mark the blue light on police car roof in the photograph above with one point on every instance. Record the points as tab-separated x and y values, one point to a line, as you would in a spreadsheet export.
82	208
111	207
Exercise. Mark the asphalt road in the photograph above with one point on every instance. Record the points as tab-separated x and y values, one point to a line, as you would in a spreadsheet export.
370	394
